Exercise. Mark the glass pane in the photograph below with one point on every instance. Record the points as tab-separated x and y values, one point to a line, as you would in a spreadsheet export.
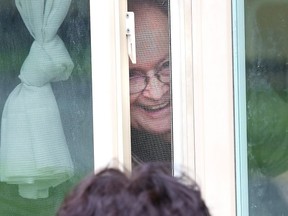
150	93
23	194
267	105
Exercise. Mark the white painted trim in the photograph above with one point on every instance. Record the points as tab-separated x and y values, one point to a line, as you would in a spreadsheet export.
203	124
110	101
182	90
213	104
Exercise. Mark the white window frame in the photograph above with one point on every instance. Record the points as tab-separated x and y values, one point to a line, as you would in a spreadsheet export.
213	104
241	152
110	84
202	85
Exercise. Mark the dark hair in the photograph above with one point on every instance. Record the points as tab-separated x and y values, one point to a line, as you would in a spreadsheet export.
148	190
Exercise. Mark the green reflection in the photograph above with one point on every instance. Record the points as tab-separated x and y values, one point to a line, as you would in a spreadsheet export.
266	30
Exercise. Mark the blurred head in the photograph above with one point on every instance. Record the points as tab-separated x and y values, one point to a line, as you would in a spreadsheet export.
150	76
148	191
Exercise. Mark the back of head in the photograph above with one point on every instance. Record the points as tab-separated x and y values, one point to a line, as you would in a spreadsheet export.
95	195
157	193
149	190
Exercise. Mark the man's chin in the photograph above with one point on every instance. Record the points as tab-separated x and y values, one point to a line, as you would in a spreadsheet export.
159	131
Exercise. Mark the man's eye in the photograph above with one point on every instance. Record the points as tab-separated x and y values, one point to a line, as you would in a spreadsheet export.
133	73
166	64
165	69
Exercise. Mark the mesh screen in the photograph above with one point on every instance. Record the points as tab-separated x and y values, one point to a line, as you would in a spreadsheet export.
150	93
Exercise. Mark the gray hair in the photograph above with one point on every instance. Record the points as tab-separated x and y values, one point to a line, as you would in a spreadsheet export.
163	5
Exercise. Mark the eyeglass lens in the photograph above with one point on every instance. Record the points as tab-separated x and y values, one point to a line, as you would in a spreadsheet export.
139	81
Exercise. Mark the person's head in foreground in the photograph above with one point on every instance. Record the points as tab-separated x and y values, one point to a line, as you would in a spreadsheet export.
148	190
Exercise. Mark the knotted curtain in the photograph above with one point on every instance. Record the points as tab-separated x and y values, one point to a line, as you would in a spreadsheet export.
34	153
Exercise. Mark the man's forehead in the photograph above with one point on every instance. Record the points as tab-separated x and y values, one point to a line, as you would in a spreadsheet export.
146	64
152	37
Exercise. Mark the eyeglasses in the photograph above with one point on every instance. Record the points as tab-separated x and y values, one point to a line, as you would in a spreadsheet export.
139	81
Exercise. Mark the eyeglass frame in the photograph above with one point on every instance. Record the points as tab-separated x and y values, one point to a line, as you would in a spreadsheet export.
161	67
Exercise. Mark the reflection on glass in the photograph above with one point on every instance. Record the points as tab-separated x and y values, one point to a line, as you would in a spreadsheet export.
73	98
267	106
150	97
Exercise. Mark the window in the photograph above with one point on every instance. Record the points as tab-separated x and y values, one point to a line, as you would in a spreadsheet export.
202	93
202	125
50	145
266	105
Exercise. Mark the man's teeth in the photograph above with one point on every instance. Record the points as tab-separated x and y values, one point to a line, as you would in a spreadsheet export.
157	107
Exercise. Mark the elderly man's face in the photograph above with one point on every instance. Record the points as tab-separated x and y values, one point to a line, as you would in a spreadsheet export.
151	108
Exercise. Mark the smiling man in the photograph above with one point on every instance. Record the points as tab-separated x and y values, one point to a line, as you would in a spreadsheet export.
150	101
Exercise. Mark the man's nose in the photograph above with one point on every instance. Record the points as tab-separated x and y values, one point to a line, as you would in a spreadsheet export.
155	89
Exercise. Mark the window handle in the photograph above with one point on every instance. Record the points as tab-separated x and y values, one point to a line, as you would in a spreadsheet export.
130	33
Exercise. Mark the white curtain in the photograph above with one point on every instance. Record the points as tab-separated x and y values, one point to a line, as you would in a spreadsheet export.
34	153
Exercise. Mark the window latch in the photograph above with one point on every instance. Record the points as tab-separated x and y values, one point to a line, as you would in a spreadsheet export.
130	33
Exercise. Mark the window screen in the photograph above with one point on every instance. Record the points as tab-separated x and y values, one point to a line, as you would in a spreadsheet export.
150	92
26	148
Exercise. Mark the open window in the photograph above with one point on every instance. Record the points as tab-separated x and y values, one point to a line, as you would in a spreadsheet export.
200	93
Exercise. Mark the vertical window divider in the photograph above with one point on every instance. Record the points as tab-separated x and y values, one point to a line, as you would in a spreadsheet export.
213	104
240	108
181	55
110	84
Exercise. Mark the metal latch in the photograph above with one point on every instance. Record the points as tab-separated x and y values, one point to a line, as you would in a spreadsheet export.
130	33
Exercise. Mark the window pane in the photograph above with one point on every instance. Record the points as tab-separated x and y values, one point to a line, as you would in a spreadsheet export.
150	93
73	98
267	105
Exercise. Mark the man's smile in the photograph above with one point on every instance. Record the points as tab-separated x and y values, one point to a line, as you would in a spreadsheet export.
154	108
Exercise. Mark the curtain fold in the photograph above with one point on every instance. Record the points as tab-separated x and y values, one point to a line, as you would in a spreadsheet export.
33	152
